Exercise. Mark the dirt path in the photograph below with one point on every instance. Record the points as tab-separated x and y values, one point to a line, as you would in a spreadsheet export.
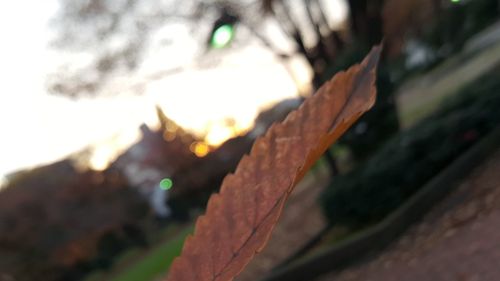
458	240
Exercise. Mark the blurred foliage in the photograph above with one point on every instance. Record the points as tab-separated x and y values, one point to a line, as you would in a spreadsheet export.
54	220
109	246
442	28
413	157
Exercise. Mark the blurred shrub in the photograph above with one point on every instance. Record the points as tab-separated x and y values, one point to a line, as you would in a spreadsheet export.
59	223
413	157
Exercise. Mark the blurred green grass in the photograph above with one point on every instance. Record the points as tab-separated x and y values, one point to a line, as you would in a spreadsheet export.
157	262
135	265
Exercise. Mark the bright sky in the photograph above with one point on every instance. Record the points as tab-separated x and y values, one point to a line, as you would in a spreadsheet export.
38	128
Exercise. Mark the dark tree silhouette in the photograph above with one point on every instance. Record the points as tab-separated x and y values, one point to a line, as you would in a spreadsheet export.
116	32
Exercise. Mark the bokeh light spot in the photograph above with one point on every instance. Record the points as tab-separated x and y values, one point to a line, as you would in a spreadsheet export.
200	149
222	36
166	184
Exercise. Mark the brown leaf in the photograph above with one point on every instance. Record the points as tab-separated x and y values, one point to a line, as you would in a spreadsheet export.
239	220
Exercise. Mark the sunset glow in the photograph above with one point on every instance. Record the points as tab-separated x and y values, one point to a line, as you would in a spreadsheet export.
212	101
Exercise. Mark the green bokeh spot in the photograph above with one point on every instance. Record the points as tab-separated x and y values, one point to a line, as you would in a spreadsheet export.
166	184
455	1
222	36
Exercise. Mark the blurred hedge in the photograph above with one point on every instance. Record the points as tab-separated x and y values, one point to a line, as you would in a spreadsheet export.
413	157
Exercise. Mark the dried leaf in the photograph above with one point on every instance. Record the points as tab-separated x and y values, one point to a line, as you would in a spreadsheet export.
239	220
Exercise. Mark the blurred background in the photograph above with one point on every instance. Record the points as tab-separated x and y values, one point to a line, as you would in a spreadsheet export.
119	118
